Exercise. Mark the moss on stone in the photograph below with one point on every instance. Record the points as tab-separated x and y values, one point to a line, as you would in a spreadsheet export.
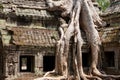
1	6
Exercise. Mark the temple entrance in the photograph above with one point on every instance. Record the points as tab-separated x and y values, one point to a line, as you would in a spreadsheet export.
48	63
110	59
27	63
86	59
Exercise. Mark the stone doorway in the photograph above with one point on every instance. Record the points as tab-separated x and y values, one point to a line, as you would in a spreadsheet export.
48	63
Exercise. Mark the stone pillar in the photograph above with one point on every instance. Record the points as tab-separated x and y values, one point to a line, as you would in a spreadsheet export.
117	58
39	64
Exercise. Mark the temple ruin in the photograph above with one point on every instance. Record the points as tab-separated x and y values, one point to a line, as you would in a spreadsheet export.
28	35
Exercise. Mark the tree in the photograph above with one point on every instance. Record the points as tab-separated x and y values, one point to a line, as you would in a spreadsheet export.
104	4
81	14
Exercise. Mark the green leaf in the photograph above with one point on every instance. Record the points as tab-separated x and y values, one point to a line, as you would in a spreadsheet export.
103	4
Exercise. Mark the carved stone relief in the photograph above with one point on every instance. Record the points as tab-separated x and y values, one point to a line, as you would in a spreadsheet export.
11	60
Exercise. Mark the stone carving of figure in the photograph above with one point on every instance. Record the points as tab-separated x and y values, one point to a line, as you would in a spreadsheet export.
11	64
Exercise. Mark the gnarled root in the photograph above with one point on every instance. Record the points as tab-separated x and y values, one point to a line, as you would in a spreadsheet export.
50	72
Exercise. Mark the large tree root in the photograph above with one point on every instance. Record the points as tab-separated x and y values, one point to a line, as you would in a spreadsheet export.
104	76
82	15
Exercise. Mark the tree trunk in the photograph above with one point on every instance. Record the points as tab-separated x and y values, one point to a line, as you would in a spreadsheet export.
82	15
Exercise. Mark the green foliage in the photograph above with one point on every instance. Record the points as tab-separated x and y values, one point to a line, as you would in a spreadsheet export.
103	4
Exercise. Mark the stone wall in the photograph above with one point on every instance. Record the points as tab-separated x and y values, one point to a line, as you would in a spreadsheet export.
114	69
12	59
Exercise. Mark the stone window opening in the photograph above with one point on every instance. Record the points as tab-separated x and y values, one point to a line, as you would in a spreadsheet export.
27	63
86	59
110	59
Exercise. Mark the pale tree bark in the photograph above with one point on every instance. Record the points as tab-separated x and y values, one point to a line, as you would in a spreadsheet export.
82	15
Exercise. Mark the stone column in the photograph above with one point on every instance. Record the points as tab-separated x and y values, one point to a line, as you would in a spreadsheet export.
39	64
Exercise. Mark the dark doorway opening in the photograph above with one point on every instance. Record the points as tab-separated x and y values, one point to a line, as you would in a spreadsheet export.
86	59
27	63
48	63
110	59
